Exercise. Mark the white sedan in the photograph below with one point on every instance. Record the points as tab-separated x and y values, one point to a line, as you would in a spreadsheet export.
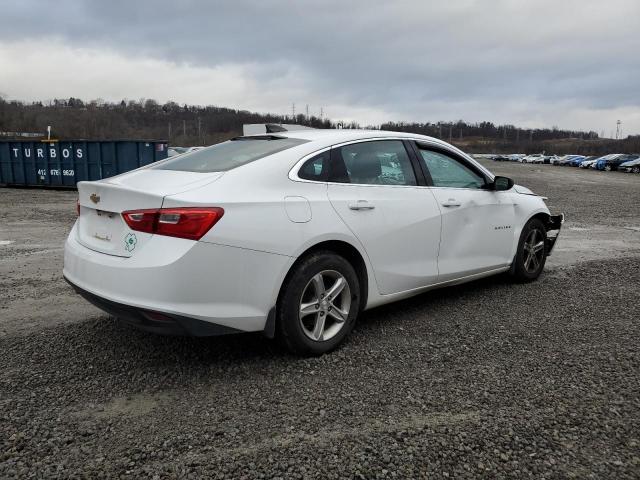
535	158
294	233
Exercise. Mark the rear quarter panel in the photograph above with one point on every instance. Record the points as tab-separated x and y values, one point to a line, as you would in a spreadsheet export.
255	216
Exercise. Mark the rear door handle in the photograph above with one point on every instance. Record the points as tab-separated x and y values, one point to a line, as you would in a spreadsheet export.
452	202
361	205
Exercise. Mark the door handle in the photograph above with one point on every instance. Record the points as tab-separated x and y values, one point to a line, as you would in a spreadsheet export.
361	205
452	202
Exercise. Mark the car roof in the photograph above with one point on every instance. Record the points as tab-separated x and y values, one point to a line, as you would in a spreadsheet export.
346	135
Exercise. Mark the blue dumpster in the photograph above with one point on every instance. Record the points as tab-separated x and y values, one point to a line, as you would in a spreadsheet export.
63	163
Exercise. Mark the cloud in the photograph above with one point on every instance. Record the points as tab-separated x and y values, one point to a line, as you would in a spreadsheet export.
571	63
33	70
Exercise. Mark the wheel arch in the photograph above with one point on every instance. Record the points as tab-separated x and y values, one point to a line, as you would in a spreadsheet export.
345	250
544	217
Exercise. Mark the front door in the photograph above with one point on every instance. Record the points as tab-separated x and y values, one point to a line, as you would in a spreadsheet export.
477	223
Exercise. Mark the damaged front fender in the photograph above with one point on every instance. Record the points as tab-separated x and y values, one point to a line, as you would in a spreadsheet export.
553	226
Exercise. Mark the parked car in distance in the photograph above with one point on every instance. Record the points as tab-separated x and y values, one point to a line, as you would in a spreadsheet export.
295	233
632	166
551	159
613	163
610	156
535	158
588	162
576	162
567	159
558	160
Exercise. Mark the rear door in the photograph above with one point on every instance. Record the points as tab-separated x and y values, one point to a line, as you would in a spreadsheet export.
477	224
373	188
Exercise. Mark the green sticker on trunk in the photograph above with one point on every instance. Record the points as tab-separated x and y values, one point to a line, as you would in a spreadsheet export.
130	242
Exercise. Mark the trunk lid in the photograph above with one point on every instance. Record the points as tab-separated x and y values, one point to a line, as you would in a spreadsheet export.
100	224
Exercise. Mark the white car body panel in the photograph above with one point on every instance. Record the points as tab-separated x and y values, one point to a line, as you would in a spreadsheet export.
406	214
410	242
487	220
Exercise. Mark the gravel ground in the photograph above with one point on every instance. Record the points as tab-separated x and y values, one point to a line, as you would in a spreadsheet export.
484	380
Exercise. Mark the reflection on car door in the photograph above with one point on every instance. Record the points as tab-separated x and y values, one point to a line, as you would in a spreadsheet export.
477	224
373	189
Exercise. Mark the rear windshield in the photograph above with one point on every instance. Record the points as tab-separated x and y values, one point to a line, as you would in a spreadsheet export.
227	155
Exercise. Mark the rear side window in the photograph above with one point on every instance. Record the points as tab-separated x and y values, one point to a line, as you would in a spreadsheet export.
316	168
227	155
382	162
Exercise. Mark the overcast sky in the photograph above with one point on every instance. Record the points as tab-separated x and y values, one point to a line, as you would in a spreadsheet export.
533	63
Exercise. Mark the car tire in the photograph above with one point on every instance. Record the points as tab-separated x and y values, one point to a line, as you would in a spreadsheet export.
531	255
635	170
310	319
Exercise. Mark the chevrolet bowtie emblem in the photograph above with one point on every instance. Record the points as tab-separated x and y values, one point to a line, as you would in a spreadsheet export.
94	198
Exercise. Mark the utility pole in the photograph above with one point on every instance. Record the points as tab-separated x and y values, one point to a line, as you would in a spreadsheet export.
293	111
321	113
439	130
307	111
618	129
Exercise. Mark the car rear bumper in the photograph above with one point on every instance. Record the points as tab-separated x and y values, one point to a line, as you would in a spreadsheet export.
553	225
155	322
179	286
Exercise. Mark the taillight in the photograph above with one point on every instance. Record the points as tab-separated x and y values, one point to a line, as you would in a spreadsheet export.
141	220
189	222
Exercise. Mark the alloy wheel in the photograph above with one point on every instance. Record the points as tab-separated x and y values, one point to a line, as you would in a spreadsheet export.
324	305
533	250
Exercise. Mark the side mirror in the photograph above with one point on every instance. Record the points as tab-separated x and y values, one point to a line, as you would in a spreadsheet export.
501	184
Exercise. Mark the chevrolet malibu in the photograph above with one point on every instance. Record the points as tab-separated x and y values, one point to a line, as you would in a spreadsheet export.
295	233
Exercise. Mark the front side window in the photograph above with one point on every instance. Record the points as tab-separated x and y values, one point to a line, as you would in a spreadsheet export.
227	155
383	162
446	171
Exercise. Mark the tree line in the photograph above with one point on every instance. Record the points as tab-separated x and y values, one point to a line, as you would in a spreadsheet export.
187	125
